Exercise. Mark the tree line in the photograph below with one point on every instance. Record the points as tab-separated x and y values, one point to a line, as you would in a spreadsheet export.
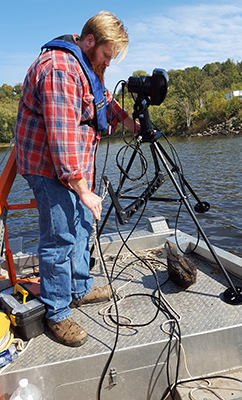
195	99
9	99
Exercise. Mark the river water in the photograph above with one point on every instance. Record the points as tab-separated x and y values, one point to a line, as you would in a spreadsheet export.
211	165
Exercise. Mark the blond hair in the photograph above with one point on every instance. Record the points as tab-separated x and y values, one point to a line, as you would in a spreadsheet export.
106	27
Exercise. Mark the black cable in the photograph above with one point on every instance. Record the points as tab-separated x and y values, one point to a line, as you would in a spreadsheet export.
168	361
124	244
108	144
117	329
152	387
107	274
164	310
168	313
176	239
143	161
157	300
136	325
110	283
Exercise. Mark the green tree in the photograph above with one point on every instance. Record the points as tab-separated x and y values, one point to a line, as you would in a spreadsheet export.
230	74
9	99
139	73
8	114
195	98
6	91
18	90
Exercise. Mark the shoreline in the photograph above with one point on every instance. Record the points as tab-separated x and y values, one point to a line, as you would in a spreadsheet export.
231	127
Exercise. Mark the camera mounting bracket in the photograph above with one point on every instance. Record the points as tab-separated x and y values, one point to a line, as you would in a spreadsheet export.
124	214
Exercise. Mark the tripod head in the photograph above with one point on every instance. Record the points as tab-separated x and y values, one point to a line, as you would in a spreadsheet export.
150	90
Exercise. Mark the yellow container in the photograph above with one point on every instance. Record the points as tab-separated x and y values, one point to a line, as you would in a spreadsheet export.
6	336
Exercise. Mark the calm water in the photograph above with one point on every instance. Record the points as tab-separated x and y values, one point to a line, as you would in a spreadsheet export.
212	166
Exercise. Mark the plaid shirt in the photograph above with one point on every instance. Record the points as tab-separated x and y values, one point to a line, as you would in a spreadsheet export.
50	139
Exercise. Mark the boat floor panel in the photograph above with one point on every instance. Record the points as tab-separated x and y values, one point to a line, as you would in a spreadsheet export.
200	308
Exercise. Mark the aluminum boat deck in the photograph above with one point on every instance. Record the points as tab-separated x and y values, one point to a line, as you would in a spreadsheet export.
211	330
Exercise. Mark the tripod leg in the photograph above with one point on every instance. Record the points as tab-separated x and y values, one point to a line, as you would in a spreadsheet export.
189	209
201	207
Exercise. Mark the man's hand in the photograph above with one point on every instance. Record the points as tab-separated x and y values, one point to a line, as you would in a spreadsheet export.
133	126
88	198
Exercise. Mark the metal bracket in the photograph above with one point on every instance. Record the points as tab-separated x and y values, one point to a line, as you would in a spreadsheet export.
113	377
124	214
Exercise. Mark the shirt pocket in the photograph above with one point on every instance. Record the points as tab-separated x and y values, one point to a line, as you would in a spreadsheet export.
87	107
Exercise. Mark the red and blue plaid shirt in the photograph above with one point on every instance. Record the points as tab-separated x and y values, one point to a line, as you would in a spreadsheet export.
50	138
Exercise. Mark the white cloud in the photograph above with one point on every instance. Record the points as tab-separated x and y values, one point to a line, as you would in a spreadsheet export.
186	36
182	36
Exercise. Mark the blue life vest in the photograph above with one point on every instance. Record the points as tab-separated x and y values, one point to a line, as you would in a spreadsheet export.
67	42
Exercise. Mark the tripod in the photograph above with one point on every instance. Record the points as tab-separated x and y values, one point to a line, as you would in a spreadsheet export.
232	295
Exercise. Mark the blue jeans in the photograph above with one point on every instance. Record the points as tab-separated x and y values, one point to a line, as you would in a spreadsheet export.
65	229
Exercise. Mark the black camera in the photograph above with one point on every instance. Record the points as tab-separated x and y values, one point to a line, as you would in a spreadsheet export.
155	86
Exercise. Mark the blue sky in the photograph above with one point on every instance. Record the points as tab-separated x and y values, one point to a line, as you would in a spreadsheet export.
169	34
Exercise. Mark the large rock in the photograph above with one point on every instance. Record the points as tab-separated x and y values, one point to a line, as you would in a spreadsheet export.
181	270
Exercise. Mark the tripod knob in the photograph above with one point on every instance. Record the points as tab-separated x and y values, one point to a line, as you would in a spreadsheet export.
202	207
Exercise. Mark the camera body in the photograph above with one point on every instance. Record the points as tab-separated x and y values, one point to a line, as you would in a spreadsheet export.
150	90
154	87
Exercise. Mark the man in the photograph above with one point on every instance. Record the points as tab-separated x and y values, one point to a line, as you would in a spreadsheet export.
63	109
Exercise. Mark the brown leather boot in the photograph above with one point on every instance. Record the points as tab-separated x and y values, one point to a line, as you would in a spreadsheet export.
97	295
68	332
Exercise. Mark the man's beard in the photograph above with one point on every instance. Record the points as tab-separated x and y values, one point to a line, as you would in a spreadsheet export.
99	69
